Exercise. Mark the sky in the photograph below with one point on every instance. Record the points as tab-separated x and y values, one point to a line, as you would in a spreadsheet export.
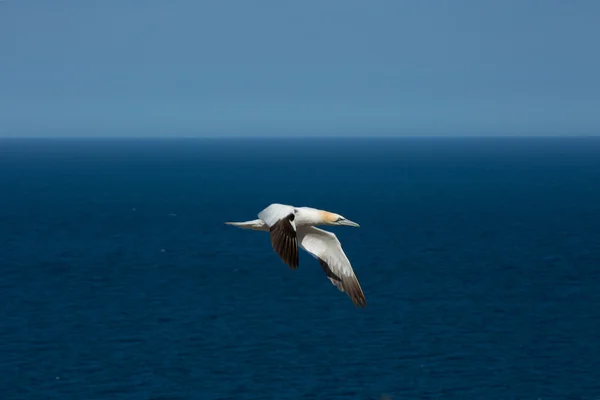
334	67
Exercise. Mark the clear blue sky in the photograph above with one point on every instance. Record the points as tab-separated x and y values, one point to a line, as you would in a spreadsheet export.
125	68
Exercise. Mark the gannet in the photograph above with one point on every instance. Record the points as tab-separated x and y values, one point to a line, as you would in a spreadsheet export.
291	226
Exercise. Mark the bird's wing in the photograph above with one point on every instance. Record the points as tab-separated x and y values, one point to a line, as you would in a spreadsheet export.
274	213
282	228
326	247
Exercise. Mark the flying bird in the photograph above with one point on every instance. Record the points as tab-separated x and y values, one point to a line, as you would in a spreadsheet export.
290	227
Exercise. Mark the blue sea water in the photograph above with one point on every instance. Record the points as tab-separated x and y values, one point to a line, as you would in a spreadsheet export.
479	258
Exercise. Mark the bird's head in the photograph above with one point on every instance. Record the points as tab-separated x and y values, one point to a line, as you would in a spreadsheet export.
330	218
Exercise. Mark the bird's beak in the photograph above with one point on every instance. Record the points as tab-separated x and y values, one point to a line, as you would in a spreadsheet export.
347	222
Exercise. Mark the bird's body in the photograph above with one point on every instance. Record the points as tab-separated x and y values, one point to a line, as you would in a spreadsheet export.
292	227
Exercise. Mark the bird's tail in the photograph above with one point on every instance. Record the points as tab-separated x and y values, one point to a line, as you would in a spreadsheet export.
257	225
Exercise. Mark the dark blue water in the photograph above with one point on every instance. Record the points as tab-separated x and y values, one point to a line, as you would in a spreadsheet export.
480	261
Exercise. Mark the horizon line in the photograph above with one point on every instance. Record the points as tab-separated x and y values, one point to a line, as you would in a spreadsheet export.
306	136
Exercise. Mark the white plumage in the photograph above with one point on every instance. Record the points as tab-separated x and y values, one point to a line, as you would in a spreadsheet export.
274	213
292	227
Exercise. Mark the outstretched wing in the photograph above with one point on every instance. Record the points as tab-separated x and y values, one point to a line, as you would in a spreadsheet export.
326	247
284	238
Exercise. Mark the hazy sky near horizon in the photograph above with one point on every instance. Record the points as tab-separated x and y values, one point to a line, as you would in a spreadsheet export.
184	67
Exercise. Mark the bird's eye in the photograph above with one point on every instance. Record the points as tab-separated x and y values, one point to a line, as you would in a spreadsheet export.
340	219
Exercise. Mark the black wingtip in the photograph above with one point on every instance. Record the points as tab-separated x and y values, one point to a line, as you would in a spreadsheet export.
284	241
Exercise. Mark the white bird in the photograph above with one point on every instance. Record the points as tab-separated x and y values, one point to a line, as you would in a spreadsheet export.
291	226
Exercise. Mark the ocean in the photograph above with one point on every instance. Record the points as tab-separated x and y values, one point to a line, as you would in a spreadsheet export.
479	259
